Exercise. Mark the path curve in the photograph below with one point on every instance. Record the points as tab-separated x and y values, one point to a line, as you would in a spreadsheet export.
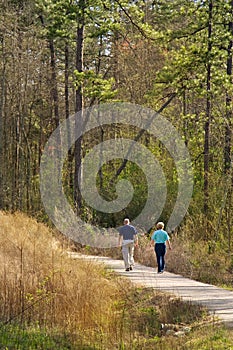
217	300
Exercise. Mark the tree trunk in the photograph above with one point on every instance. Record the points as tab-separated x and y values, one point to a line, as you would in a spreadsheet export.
79	108
57	166
67	112
2	103
208	113
227	148
54	90
228	135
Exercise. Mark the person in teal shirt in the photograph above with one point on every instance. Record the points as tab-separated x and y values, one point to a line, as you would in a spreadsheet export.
159	239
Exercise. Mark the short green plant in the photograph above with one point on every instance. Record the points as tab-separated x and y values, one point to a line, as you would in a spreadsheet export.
30	338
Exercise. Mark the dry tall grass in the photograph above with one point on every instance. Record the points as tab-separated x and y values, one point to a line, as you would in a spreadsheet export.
40	283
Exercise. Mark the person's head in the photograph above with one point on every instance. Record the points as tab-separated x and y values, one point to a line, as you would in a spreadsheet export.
126	221
160	225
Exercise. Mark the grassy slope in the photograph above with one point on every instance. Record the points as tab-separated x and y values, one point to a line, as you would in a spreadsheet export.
49	301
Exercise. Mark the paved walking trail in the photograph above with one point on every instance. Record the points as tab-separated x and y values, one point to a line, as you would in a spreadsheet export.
217	300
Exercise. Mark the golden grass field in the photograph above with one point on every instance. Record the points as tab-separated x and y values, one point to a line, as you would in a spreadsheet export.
42	288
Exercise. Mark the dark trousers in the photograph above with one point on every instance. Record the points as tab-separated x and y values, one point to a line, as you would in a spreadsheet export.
160	251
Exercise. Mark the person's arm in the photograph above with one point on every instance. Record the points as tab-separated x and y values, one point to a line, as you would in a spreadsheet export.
169	244
136	240
152	241
119	240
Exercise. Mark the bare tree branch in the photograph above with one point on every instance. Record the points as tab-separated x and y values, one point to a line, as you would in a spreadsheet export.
139	135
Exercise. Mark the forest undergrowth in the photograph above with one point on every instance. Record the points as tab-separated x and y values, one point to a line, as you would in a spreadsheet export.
193	255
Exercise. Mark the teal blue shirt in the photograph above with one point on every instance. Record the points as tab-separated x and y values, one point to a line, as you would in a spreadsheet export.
160	236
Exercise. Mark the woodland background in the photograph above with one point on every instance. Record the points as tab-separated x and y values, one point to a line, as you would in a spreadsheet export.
59	57
175	57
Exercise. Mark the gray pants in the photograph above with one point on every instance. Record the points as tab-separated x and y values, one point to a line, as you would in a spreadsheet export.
128	252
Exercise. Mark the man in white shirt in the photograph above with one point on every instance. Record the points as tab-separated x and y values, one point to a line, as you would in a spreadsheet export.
128	238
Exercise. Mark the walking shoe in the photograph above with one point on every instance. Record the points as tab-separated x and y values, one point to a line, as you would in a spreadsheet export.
131	267
127	269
